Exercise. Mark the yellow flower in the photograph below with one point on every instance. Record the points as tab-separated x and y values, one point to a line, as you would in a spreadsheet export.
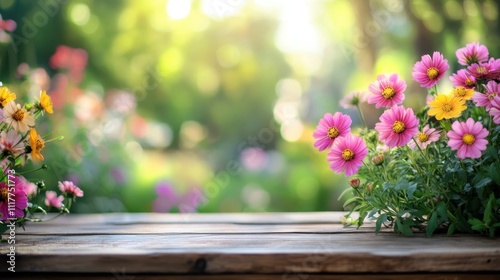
36	144
446	106
463	93
45	102
18	117
6	96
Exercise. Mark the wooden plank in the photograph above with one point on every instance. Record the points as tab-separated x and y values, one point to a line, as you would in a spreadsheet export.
123	275
263	253
285	244
47	229
205	218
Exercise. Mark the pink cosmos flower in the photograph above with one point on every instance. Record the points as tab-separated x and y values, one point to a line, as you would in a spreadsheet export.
347	154
330	128
70	189
19	198
472	53
429	71
485	70
484	99
387	91
397	126
52	200
468	138
425	137
11	143
495	109
463	79
353	99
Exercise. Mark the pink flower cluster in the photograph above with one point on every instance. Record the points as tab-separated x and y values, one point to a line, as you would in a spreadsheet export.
399	126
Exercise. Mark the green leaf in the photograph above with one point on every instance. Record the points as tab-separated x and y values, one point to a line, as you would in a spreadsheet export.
451	229
493	172
3	228
432	224
381	219
487	210
482	183
350	200
344	192
404	228
477	224
442	211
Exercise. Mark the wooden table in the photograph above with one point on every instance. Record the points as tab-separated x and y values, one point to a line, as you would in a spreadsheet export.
240	246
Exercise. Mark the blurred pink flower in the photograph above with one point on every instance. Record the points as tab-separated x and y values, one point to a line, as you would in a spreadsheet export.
397	126
347	154
353	99
429	71
7	24
472	53
463	79
52	200
167	198
74	60
191	200
29	187
468	138
387	91
120	101
253	158
70	189
330	128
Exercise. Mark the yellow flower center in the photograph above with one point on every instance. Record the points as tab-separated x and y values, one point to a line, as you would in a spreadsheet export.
468	139
460	92
388	92
347	154
333	132
18	115
447	107
39	144
481	70
422	137
398	127
432	73
469	82
491	95
4	194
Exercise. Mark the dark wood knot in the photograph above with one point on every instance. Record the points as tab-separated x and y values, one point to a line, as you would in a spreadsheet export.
199	266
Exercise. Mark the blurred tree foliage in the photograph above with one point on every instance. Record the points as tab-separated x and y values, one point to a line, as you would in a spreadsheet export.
213	82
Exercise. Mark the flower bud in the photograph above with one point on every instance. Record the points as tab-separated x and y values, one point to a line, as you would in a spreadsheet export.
40	185
378	159
369	187
354	182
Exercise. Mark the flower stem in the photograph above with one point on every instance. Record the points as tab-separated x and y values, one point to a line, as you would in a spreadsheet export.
362	116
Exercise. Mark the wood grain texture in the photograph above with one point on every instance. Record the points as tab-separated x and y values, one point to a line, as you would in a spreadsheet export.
288	245
120	275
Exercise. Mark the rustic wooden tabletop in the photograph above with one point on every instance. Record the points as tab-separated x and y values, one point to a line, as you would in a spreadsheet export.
239	246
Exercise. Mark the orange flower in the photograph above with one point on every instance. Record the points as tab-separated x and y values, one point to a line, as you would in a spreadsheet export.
37	144
45	102
6	96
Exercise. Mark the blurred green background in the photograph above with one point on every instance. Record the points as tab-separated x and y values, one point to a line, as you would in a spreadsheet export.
209	106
